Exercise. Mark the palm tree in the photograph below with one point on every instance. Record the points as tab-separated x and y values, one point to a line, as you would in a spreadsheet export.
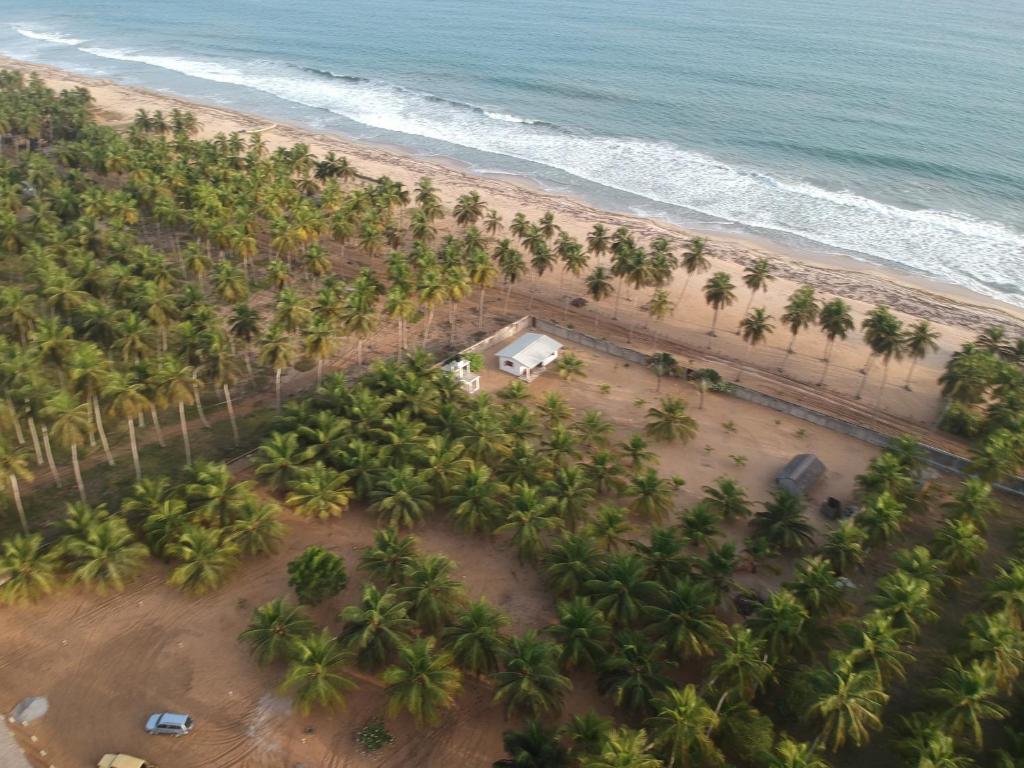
319	491
883	333
599	287
919	340
570	367
283	459
570	563
582	633
390	557
377	628
273	630
652	496
315	672
682	728
106	554
469	209
960	544
530	516
206	558
781	622
973	501
256	529
742	667
844	546
621	589
907	599
70	427
663	364
719	292
694	262
633	673
625	748
755	329
756	276
879	643
800	312
535	746
995	640
727	498
685	618
608	527
782	522
670	421
175	386
14	464
277	352
836	322
968	693
475	640
798	754
27	571
849	705
127	402
529	682
402	498
434	597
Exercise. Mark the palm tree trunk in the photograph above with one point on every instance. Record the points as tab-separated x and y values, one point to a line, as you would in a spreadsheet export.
864	379
199	402
103	432
277	388
714	323
451	324
885	376
824	372
618	295
508	295
49	457
231	413
597	317
78	473
156	425
686	284
319	370
426	328
359	350
17	422
910	373
16	492
35	439
184	432
480	316
135	449
792	341
247	356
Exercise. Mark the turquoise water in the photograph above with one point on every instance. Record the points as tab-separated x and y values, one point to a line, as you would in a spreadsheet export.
891	130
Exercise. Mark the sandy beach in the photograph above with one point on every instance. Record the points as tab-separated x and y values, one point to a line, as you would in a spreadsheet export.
957	313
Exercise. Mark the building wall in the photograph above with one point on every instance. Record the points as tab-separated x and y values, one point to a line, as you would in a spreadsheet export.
510	366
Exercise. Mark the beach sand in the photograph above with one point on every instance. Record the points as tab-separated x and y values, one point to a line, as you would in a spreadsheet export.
957	313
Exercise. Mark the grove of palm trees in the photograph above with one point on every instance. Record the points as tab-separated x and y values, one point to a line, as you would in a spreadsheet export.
218	365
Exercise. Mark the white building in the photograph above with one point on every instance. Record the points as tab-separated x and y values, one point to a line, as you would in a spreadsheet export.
528	355
459	368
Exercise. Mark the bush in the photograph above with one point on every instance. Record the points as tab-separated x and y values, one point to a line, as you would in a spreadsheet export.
373	736
962	420
476	361
316	575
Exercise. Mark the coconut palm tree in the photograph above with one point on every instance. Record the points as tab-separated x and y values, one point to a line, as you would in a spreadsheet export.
782	522
781	622
907	599
127	401
719	292
105	555
529	682
70	427
670	422
797	754
995	640
973	501
570	562
621	589
434	597
757	276
919	341
536	746
727	498
277	351
663	364
960	544
802	310
836	322
582	632
632	674
207	557
694	262
848	705
14	464
844	546
608	527
570	367
878	644
27	570
625	748
475	640
403	497
599	287
682	728
755	329
967	693
316	674
1006	590
741	668
883	333
469	209
319	491
273	630
652	496
377	628
685	618
212	493
282	459
256	529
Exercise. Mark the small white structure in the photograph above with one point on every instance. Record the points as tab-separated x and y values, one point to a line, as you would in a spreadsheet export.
460	369
528	355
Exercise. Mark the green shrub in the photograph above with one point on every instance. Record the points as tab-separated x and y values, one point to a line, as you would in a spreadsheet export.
316	575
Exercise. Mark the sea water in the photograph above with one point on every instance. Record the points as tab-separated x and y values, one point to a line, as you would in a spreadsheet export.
892	130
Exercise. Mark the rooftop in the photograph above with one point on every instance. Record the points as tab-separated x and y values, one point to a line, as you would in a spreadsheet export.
530	349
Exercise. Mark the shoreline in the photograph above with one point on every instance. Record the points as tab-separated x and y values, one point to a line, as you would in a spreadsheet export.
830	271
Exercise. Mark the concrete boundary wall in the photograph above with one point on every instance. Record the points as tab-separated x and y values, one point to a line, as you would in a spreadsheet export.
501	334
936	457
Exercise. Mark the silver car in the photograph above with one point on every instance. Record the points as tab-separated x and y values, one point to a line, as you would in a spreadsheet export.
169	723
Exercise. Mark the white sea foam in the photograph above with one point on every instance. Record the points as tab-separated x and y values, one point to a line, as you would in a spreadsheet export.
961	249
48	37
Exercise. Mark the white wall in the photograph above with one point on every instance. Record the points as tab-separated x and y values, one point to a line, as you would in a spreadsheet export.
510	366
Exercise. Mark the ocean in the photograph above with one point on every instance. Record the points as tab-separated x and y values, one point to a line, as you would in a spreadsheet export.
888	130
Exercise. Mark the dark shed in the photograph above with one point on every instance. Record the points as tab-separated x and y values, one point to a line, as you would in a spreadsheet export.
802	472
